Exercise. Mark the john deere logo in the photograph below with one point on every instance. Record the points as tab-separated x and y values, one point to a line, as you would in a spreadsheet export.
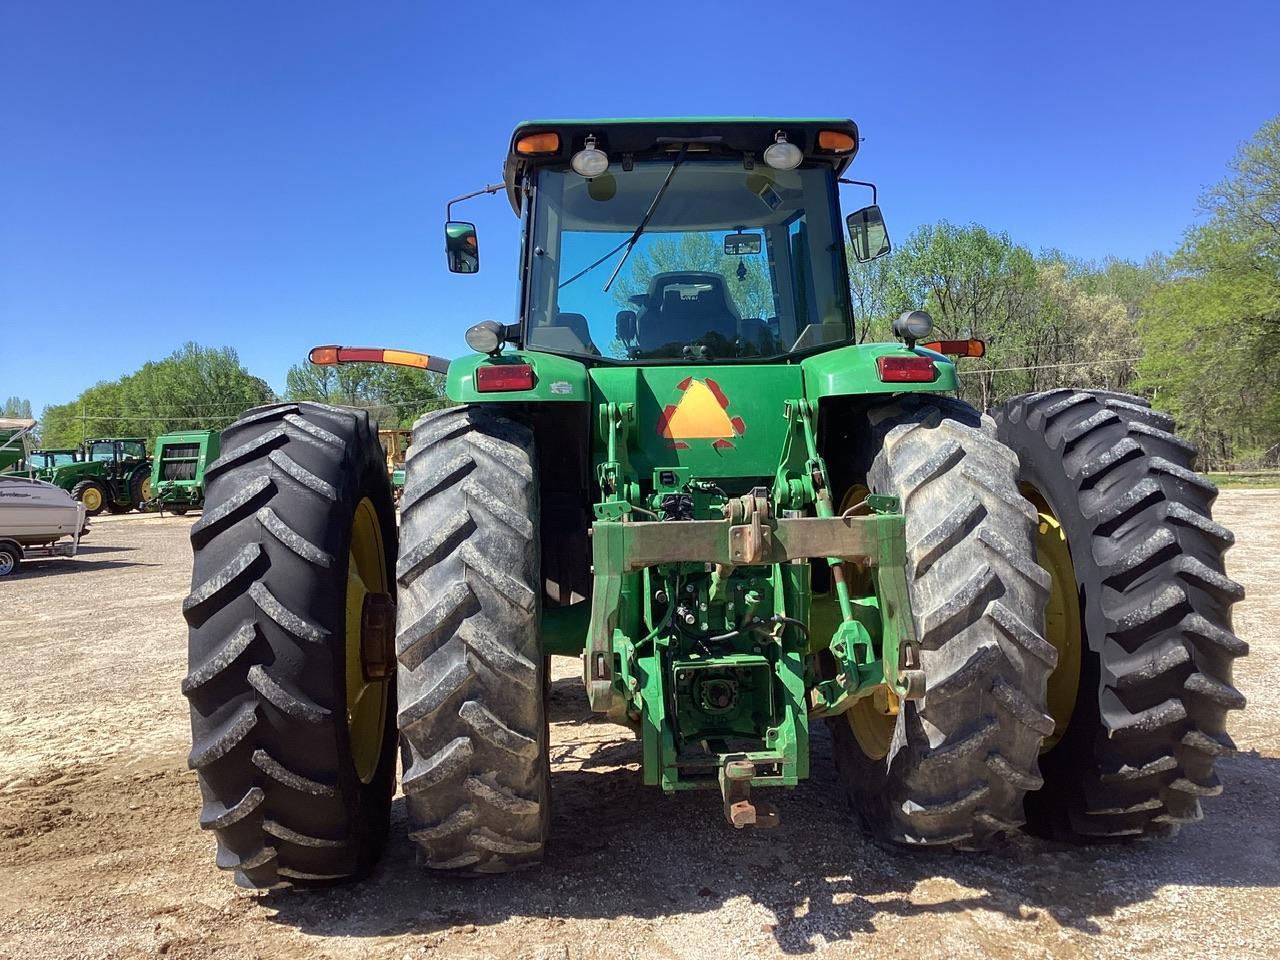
700	414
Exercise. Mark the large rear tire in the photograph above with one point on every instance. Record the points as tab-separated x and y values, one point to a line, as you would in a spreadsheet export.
293	745
1148	614
473	723
952	769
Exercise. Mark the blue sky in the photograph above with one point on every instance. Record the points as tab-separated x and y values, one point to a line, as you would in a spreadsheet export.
273	175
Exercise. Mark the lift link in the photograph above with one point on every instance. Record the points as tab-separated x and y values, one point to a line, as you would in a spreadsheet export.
899	667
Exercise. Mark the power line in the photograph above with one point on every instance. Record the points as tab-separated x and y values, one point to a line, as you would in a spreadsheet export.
1050	366
421	404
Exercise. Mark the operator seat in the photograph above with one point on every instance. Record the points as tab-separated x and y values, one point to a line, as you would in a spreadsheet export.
569	334
676	318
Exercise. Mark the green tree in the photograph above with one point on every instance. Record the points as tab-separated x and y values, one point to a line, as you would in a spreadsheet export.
975	283
395	396
1209	332
16	407
194	388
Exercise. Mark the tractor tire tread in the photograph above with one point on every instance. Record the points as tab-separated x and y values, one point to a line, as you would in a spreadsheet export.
961	759
473	725
1150	717
266	647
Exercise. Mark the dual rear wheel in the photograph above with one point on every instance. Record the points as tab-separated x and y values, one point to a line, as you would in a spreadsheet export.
1065	574
1067	579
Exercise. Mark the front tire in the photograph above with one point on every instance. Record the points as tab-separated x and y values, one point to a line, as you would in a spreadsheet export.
296	778
1151	614
952	769
93	495
473	722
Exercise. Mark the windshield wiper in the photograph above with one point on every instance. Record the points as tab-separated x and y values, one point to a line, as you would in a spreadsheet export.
630	242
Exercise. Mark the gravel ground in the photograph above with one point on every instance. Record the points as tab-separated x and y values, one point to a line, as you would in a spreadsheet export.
100	855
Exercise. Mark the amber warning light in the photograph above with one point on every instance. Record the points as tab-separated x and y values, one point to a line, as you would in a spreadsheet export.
330	354
958	348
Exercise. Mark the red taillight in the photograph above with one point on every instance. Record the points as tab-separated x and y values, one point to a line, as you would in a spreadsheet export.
494	377
906	369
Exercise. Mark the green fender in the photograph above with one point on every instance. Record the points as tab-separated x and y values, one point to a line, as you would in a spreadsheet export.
852	370
68	475
555	378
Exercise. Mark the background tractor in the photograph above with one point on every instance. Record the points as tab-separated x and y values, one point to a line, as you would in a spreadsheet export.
42	463
114	475
678	465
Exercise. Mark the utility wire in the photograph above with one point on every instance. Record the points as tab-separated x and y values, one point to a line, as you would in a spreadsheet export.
238	408
1049	366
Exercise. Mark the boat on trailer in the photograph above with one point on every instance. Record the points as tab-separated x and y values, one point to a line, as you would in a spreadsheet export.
36	518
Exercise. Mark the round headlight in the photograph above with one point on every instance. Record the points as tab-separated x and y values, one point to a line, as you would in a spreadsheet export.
485	336
589	162
913	325
782	155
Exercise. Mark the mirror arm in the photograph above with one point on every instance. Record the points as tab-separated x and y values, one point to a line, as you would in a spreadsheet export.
862	183
491	188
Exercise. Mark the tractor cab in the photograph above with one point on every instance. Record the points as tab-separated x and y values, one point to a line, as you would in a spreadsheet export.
120	456
646	242
48	459
43	462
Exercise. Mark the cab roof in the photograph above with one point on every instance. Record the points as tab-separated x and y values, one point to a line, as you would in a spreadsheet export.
651	137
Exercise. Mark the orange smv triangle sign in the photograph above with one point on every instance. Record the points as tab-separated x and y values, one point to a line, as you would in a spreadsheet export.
701	414
698	416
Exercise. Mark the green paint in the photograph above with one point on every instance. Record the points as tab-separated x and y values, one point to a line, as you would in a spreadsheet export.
555	379
178	465
754	397
703	472
117	474
852	370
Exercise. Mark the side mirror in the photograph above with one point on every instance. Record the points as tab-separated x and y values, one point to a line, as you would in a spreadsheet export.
626	326
461	247
867	233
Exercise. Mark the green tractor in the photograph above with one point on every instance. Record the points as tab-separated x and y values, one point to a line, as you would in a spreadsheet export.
41	464
114	475
178	467
679	466
45	462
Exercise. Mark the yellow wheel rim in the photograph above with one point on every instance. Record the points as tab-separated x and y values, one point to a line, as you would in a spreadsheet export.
366	699
146	489
91	497
872	719
1062	616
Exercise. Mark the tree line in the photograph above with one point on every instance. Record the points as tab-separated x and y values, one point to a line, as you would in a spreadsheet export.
201	387
1193	331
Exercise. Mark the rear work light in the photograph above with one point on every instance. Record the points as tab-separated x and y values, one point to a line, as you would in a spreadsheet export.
958	348
906	369
496	377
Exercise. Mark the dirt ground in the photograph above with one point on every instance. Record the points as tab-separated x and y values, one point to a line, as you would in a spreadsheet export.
100	855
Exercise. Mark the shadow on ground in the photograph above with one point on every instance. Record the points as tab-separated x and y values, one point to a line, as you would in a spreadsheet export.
58	566
619	849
